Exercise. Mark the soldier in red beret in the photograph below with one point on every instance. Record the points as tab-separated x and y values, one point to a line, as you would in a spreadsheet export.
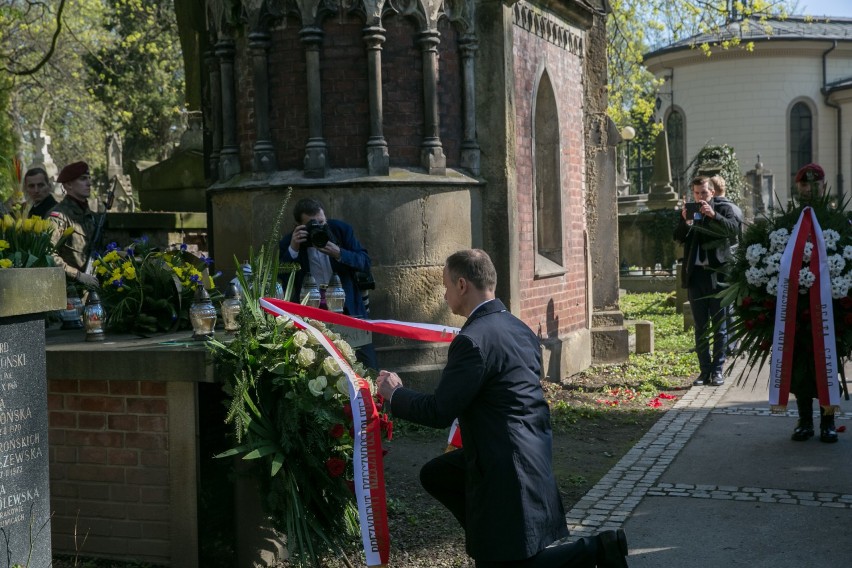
810	180
73	213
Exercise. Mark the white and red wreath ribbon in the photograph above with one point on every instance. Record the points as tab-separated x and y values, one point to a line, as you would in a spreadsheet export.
367	452
821	313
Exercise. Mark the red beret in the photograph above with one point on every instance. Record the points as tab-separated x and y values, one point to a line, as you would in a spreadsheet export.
72	172
810	172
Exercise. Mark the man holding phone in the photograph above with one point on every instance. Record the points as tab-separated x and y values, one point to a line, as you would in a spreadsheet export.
707	234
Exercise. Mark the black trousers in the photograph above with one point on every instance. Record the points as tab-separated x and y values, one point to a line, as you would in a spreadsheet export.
444	479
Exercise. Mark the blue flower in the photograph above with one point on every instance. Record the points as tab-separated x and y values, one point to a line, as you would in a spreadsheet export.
183	246
118	283
130	251
207	260
112	246
195	279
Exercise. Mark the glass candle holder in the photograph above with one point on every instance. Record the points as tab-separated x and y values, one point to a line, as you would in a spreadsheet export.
231	307
202	315
94	317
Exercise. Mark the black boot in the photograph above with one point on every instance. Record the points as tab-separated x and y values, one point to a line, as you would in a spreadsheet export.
612	549
827	432
805	426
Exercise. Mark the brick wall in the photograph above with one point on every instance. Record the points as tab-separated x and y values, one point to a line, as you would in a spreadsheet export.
345	94
109	468
555	305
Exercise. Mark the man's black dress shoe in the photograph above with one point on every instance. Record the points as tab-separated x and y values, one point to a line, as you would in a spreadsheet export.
716	379
703	379
827	431
804	431
612	549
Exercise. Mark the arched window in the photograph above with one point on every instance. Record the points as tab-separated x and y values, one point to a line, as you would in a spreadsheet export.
548	187
677	149
801	137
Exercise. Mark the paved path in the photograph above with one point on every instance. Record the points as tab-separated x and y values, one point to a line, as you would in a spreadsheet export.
717	482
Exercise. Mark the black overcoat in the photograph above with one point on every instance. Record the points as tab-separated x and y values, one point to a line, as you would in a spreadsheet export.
492	384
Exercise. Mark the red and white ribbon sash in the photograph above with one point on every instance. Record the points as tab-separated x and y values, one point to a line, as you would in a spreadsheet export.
367	451
408	330
454	440
821	313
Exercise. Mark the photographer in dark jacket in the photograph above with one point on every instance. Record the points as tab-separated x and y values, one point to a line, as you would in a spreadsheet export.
707	235
324	247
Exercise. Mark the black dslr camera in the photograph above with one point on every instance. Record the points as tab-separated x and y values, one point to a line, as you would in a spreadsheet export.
318	233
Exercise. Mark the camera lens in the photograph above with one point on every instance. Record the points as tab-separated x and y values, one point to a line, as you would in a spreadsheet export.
319	238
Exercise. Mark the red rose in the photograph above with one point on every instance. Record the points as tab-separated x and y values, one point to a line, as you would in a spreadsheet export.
336	431
379	401
749	324
335	466
847	319
352	432
761	317
846	302
769	303
347	410
746	301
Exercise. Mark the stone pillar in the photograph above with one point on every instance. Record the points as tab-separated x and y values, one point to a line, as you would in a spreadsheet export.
431	151
470	154
316	151
378	160
662	194
216	114
229	155
263	154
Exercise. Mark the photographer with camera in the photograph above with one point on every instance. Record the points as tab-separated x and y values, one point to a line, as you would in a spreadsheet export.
707	230
324	247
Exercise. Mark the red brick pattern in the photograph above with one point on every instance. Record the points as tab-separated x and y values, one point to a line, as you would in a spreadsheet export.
345	94
109	458
558	304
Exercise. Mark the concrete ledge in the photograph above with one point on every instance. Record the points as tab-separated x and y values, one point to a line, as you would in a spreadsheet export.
31	291
170	357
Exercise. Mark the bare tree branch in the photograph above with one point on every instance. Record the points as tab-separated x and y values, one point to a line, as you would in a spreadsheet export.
49	54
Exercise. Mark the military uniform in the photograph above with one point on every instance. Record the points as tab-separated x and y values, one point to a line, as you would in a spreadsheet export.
74	252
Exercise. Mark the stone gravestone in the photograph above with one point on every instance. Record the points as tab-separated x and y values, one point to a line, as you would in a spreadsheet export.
24	475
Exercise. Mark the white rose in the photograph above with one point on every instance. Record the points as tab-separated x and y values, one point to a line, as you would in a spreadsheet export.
346	350
305	357
317	385
330	366
847	252
300	338
343	385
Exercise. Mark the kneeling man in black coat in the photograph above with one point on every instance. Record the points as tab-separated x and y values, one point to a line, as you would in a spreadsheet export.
500	486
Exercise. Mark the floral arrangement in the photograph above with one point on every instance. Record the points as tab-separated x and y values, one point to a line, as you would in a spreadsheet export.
290	408
755	272
145	290
25	243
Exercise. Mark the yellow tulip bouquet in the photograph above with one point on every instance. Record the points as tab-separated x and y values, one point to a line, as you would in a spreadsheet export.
25	243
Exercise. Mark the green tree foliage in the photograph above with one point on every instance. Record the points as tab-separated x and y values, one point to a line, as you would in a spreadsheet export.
636	27
82	69
139	74
721	160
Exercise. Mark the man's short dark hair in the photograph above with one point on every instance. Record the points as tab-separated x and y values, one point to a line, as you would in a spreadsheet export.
475	266
699	180
35	172
307	206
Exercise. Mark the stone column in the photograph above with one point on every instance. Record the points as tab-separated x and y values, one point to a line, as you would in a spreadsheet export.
316	151
378	161
263	154
469	147
229	156
216	114
431	151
